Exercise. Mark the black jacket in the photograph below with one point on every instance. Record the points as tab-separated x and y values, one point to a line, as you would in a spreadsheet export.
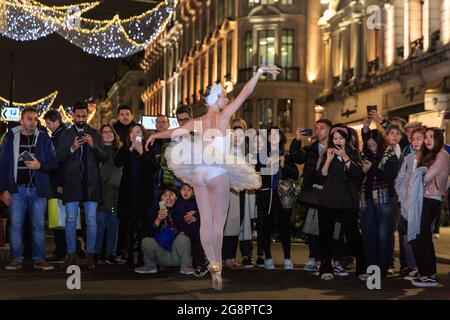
180	208
71	163
57	176
307	156
150	230
123	130
337	190
134	200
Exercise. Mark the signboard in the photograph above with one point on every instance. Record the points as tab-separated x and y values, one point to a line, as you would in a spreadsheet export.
149	123
11	114
435	100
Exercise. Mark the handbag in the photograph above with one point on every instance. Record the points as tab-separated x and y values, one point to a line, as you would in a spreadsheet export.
166	236
310	192
288	192
57	215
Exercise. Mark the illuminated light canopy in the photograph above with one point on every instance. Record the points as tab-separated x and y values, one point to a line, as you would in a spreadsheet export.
119	37
26	20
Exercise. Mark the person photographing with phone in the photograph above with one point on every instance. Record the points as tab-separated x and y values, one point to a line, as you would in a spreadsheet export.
135	191
341	164
27	158
80	152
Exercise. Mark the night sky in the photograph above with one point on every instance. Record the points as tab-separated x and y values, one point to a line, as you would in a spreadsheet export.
52	63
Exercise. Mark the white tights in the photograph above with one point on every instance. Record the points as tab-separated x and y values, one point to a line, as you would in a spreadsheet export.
212	193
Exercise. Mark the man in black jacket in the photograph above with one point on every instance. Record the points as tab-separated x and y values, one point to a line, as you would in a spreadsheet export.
124	122
310	157
80	152
54	123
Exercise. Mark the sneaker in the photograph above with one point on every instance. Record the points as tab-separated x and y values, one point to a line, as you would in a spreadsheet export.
247	262
268	264
121	260
310	265
260	262
327	276
413	275
42	265
425	282
56	259
14	266
436	236
200	271
363	276
288	265
316	270
186	270
390	272
111	260
70	261
146	270
339	271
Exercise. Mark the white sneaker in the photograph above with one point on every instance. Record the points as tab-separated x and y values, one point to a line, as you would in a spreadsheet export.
436	236
268	264
146	270
288	265
310	265
413	275
339	271
327	276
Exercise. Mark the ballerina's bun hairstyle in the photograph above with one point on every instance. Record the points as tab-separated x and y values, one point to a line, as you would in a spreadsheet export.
212	94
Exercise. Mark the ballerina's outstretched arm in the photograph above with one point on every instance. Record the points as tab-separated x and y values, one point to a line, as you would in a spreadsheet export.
248	89
170	133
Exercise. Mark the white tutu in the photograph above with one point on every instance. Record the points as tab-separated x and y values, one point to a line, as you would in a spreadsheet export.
184	157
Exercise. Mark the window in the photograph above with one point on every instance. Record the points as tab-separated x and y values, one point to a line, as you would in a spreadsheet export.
265	113
229	53
285	115
212	16
248	49
252	3
231	9
219	61
287	48
202	73
220	12
266	48
248	113
211	66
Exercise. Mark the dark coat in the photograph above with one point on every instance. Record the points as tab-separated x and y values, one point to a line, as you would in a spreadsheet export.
71	163
338	190
150	230
57	176
123	130
111	176
309	156
180	208
135	200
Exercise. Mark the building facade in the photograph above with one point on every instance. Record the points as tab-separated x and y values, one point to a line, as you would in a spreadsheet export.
394	54
224	41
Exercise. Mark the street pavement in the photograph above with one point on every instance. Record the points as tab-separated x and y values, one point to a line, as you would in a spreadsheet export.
118	282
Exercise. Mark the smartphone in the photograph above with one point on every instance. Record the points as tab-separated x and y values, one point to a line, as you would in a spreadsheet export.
26	156
308	132
81	135
371	108
139	139
447	115
162	205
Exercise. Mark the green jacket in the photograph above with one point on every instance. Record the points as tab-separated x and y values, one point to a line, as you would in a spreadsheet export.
110	177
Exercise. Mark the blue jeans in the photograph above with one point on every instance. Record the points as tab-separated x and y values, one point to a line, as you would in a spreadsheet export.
378	234
90	211
26	200
107	222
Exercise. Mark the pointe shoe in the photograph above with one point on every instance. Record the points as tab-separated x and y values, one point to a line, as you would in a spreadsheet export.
216	275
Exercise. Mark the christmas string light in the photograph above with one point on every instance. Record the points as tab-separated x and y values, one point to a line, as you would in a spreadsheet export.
26	20
41	105
119	37
29	20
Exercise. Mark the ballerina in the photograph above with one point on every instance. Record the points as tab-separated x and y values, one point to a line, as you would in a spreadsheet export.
212	182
